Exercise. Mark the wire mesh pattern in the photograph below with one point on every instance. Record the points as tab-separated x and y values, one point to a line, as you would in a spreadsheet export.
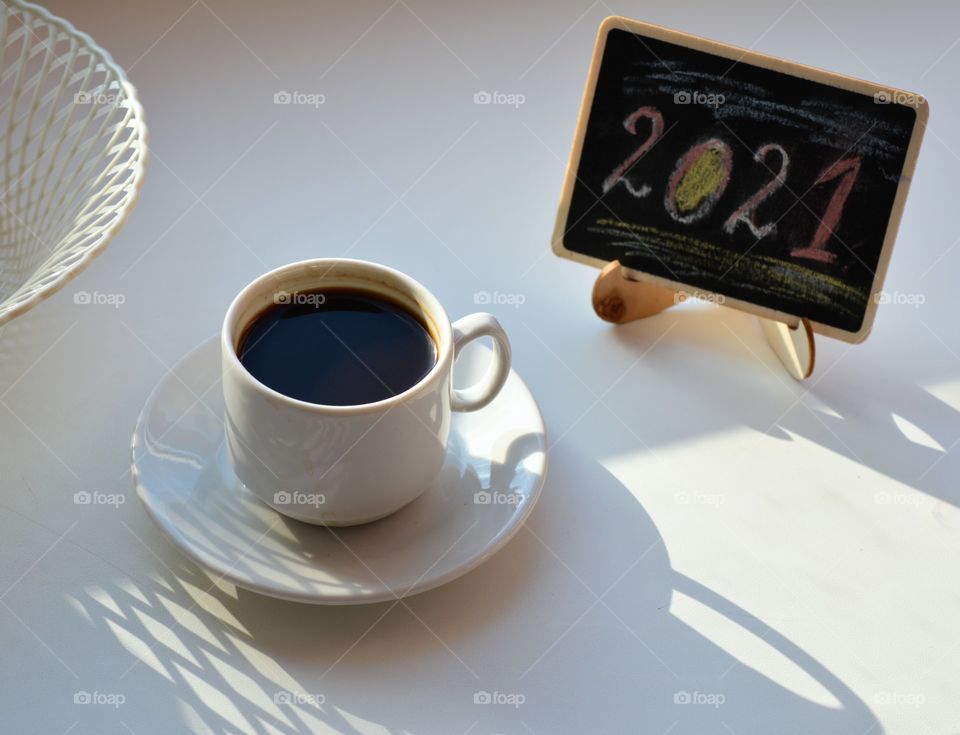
74	150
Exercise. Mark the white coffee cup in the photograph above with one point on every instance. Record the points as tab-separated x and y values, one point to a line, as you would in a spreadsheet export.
344	465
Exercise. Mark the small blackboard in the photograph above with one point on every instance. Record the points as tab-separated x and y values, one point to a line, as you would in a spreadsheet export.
769	186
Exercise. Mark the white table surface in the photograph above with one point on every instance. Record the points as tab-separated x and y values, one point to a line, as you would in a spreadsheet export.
786	554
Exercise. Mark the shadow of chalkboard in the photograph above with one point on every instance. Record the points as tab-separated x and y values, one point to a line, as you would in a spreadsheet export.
773	187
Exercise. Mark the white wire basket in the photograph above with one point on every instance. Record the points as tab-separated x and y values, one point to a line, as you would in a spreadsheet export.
74	149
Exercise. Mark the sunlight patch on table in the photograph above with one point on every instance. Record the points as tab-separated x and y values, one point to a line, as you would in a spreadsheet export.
750	650
915	434
139	649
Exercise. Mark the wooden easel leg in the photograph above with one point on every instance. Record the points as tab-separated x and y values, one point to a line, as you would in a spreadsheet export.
793	345
619	300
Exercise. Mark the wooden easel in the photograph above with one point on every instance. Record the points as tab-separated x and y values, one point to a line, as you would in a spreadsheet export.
619	299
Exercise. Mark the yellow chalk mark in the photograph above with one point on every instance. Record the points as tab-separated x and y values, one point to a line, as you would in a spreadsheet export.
701	180
778	276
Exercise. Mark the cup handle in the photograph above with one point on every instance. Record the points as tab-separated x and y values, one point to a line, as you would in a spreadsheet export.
484	390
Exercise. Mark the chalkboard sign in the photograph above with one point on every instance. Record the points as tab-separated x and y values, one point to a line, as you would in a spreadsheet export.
767	185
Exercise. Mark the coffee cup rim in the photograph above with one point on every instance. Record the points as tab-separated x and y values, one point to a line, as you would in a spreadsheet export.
427	302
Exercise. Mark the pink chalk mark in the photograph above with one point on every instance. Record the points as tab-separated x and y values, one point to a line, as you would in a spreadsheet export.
747	210
656	130
847	171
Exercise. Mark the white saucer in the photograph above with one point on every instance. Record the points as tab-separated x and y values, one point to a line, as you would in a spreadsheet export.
183	476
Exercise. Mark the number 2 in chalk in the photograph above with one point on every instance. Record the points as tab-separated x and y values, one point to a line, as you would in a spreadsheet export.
656	130
747	210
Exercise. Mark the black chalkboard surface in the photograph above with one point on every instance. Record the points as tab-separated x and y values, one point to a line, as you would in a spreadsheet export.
774	187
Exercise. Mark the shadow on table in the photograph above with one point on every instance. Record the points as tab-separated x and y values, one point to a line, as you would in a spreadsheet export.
552	635
859	403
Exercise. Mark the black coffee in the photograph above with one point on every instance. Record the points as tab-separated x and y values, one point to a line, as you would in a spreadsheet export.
337	347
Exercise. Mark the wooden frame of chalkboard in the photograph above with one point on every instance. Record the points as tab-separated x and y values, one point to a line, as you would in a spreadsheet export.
759	183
